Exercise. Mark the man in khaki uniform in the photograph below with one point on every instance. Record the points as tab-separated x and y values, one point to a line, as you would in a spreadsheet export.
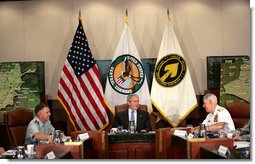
40	128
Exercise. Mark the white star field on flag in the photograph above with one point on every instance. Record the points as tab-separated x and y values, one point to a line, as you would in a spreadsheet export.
79	55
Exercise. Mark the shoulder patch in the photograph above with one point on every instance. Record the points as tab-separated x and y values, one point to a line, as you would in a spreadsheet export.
220	109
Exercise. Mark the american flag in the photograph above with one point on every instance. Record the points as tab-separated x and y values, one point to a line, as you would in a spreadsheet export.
80	90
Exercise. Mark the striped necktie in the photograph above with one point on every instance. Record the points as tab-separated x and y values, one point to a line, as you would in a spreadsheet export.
133	116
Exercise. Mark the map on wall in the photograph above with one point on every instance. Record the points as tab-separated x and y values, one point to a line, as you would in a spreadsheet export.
235	80
21	85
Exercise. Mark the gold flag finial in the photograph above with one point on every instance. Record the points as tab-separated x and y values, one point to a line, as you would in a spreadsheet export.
168	15
79	14
126	16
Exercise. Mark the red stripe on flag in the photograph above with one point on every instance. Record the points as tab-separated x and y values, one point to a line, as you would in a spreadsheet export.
91	99
95	85
100	92
77	91
76	126
78	112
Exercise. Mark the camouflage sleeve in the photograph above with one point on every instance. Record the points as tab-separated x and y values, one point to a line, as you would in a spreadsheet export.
246	137
235	132
245	130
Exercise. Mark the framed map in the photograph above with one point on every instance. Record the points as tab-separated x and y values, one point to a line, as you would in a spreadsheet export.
231	76
213	70
235	81
21	85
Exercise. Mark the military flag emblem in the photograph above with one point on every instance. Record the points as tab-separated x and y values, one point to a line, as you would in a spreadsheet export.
126	74
170	70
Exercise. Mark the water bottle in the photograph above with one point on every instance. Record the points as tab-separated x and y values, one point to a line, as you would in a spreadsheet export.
131	126
20	152
202	131
57	137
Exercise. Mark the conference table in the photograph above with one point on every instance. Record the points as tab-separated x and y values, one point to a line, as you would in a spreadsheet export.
160	144
67	150
147	145
211	152
131	145
191	148
78	150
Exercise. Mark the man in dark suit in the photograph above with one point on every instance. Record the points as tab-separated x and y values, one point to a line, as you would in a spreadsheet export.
140	117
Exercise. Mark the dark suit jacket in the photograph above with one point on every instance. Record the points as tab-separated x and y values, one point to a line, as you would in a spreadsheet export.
143	120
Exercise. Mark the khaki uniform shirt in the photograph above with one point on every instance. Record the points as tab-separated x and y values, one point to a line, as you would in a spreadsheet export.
36	126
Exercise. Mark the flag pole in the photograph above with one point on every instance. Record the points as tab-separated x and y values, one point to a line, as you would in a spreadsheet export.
126	16
168	15
80	14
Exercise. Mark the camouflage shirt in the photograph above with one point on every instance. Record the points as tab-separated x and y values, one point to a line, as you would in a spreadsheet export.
244	131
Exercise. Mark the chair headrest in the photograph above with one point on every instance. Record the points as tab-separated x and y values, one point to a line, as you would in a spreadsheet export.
239	109
18	117
122	107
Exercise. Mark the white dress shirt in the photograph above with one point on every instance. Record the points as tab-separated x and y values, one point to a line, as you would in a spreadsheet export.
220	115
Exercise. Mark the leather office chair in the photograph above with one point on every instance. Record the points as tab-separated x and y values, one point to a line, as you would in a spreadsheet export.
122	107
16	122
240	113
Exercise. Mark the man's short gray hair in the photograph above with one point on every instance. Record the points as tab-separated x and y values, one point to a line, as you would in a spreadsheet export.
211	96
130	96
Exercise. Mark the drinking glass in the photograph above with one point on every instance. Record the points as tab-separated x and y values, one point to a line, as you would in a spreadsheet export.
191	127
57	137
202	130
119	128
131	126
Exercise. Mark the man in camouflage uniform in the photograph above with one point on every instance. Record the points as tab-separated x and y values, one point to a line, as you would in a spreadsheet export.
242	133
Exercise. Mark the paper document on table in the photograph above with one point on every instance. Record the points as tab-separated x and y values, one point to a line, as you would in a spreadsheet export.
180	133
241	144
9	152
82	137
72	143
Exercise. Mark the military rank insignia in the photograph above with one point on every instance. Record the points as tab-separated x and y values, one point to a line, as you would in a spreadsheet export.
170	70
215	118
126	74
